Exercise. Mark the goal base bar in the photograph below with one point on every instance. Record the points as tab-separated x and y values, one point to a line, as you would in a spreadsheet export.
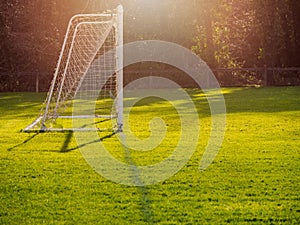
88	117
31	128
33	124
62	130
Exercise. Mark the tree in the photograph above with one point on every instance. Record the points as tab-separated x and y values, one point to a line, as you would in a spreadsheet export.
250	33
224	33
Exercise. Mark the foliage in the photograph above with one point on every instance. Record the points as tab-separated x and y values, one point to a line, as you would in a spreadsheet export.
254	179
251	33
225	33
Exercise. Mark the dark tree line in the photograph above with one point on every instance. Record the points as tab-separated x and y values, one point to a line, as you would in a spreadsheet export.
225	33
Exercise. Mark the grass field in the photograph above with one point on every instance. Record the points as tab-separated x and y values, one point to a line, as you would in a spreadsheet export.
253	180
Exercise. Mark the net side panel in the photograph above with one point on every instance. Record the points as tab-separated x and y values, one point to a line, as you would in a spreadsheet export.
86	42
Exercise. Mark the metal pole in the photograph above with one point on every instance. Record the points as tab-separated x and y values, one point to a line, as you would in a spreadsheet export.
265	75
119	66
37	83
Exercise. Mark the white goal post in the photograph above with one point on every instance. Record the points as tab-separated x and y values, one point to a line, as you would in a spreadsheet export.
90	65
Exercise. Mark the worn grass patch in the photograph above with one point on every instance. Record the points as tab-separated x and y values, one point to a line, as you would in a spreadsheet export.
254	179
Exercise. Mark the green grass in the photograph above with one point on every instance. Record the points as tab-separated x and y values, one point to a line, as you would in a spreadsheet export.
254	179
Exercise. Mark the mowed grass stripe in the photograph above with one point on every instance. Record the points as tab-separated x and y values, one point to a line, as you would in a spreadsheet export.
254	179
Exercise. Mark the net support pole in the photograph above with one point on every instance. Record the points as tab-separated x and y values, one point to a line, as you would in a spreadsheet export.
119	66
50	93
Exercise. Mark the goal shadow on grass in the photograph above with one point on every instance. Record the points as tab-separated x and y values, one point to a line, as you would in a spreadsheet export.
68	139
65	147
23	143
66	143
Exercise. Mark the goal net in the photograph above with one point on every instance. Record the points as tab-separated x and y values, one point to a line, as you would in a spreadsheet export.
89	70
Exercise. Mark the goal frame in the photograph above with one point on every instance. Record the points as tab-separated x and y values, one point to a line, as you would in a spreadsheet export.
117	15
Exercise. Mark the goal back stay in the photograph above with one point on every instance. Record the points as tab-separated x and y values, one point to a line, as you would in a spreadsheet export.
89	66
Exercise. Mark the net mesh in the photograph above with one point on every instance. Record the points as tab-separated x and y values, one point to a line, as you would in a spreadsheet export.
87	65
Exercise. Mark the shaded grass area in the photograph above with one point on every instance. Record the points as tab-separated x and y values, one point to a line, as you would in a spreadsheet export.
254	179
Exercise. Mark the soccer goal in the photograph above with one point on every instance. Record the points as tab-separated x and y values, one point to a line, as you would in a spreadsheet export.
89	70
